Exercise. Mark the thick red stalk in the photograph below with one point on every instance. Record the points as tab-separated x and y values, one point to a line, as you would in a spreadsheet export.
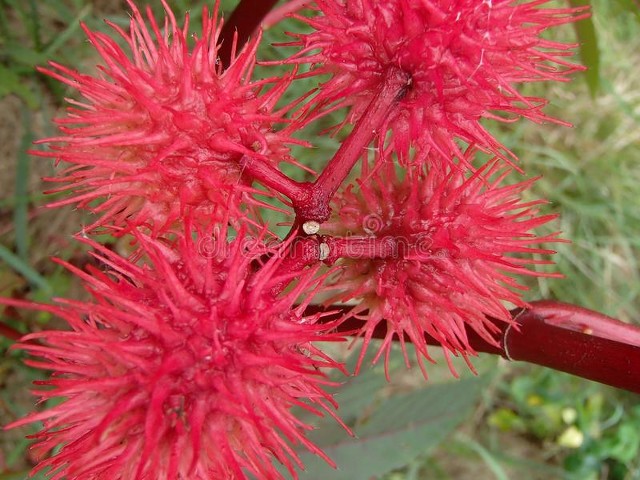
365	130
569	347
245	20
556	335
572	317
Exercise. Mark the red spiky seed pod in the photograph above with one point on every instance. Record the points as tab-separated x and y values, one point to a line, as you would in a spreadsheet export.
464	60
186	366
458	240
161	128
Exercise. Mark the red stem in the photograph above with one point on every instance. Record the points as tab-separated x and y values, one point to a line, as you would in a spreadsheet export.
556	335
311	201
360	247
541	340
303	251
366	128
271	177
572	317
9	332
245	20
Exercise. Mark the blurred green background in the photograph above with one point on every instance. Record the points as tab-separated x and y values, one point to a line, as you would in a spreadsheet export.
513	420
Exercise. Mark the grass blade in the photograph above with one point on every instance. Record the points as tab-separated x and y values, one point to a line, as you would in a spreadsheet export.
21	208
589	52
24	269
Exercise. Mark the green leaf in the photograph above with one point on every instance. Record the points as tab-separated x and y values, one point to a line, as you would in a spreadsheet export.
11	83
359	394
589	52
400	429
624	444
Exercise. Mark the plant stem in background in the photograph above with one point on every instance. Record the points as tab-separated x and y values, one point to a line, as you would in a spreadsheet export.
9	332
243	22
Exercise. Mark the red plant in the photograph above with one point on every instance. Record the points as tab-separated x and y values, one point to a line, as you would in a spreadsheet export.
184	366
161	126
193	351
451	242
461	60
